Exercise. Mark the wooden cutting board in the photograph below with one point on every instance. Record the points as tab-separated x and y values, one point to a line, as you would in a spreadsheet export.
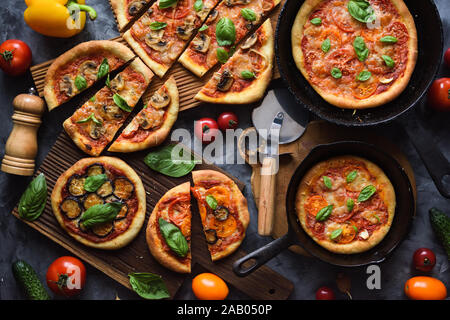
262	284
318	132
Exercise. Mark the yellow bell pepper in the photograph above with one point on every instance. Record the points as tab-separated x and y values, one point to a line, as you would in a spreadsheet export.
57	18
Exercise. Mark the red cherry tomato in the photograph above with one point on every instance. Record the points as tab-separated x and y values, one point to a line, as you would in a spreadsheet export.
325	293
438	96
424	259
15	57
447	57
206	129
66	276
227	120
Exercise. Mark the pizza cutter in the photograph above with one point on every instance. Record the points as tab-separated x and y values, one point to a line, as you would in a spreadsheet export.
275	126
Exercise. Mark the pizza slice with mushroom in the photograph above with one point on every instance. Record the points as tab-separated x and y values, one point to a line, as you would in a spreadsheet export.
93	126
151	126
245	76
161	34
127	10
229	23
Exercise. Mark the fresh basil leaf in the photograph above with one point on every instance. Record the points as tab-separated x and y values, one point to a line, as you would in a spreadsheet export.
148	285
390	63
100	213
377	217
366	193
350	205
327	182
91	117
351	176
121	103
92	99
203	28
364	75
225	32
361	50
246	74
158	25
164	4
336	73
324	213
361	10
326	45
80	83
389	39
335	234
355	228
174	238
32	202
316	21
108	82
103	70
211	201
248	14
171	161
198	5
222	55
92	183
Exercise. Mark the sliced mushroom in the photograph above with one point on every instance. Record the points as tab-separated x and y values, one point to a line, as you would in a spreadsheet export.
105	190
112	112
71	208
154	40
104	229
231	3
67	86
160	99
185	31
201	43
91	200
212	16
117	83
95	169
88	70
123	188
96	131
76	186
249	42
225	81
150	118
135	6
211	236
203	13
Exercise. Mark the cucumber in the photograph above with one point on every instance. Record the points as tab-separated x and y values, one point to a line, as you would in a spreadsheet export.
29	281
441	226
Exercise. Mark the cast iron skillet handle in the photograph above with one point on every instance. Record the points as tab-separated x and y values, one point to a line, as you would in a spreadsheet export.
437	165
262	255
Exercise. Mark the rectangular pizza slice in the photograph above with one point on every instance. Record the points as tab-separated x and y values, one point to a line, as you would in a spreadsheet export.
161	34
93	126
127	10
230	22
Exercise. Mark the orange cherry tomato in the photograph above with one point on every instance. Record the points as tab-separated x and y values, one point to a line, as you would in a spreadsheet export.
208	286
425	288
364	91
314	204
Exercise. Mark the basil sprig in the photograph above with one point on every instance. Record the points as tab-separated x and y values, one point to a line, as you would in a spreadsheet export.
326	45
211	201
361	10
156	25
80	82
247	74
327	182
100	213
198	5
222	55
316	21
335	234
148	285
336	73
350	205
364	75
32	202
164	4
324	213
103	70
361	50
91	117
121	103
225	32
92	183
203	28
172	163
366	193
248	14
173	237
351	176
389	39
390	63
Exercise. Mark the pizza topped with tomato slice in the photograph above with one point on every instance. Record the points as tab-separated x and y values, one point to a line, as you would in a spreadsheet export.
223	211
355	53
127	10
346	204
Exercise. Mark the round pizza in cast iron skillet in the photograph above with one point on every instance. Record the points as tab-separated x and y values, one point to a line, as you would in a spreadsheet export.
404	211
430	48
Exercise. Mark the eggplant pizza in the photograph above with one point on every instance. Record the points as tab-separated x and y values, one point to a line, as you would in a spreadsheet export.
355	53
100	202
245	76
346	204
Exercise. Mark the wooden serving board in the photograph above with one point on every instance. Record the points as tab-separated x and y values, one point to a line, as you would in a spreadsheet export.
135	257
318	132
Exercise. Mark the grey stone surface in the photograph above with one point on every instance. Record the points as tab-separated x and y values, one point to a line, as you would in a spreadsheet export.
19	241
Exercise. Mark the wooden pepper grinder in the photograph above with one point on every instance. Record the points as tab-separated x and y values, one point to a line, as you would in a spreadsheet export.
21	146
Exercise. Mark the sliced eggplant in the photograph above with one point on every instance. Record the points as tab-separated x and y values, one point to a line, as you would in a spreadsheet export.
104	229
136	6
160	99
88	70
201	43
71	208
81	227
112	112
211	236
123	188
185	31
231	3
95	169
105	190
96	131
117	84
225	81
91	200
67	86
221	213
123	212
76	186
249	42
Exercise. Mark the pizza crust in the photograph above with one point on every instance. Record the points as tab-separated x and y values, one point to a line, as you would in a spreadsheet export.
154	241
387	193
117	49
377	99
122	239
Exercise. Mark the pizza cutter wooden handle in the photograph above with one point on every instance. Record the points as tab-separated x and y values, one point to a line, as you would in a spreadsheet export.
266	207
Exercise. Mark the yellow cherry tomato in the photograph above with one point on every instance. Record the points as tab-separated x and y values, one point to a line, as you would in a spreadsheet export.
425	288
208	286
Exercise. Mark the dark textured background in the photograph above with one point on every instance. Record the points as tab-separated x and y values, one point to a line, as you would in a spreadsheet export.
19	241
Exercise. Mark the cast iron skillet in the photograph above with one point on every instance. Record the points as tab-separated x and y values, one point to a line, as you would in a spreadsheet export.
430	47
296	235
